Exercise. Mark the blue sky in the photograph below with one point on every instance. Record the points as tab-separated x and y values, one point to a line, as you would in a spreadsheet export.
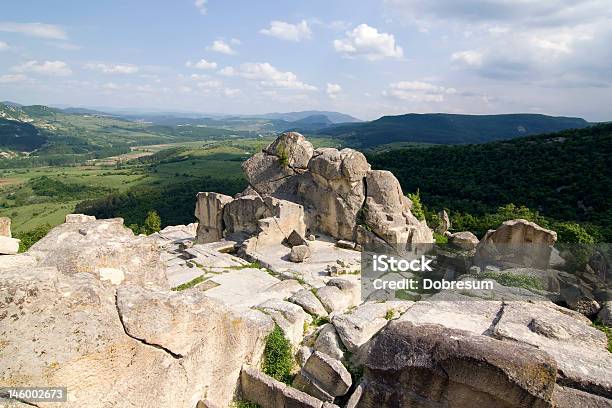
367	58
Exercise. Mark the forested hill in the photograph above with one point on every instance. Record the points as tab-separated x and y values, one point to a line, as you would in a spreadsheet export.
565	175
443	128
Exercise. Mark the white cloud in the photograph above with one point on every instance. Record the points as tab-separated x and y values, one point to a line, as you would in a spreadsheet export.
12	78
201	5
55	68
48	31
209	85
470	57
288	31
333	90
418	91
231	92
221	47
3	46
267	75
113	68
202	64
365	41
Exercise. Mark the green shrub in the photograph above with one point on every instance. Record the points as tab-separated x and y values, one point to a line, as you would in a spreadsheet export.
417	207
572	233
278	357
152	223
607	330
514	280
189	284
440	239
31	237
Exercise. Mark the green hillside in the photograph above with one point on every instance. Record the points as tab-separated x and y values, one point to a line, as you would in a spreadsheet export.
565	176
19	136
442	128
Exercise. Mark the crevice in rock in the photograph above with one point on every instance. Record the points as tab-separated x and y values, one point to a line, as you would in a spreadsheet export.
31	404
157	346
582	386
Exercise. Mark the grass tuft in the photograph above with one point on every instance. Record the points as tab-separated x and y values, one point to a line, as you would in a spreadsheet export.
278	357
190	284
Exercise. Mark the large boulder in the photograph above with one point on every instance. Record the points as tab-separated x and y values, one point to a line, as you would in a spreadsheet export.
387	211
292	149
517	243
430	365
209	212
64	324
333	191
5	227
463	240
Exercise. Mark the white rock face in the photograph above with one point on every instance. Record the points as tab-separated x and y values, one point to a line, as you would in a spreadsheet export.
289	317
209	212
139	345
328	342
77	218
8	246
323	377
464	240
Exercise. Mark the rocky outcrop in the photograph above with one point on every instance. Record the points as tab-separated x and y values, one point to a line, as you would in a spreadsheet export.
436	366
460	351
209	212
463	240
5	227
334	188
516	243
104	248
66	322
323	377
387	212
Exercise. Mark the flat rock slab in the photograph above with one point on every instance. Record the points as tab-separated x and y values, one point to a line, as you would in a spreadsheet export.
309	302
578	348
322	372
249	287
475	316
328	342
313	270
357	327
288	316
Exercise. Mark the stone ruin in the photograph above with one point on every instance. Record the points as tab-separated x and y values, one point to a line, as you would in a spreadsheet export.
294	187
180	319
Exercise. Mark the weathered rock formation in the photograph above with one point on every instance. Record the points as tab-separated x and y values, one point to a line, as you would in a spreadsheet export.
5	227
89	308
295	187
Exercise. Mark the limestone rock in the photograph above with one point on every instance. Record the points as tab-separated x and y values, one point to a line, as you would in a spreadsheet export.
5	227
79	340
459	369
293	148
464	240
360	325
299	253
8	246
309	302
339	294
288	316
445	223
343	243
106	244
328	342
209	212
323	376
77	218
579	349
265	391
516	242
387	211
267	175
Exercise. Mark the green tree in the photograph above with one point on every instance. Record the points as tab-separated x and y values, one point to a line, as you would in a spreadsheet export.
152	223
417	207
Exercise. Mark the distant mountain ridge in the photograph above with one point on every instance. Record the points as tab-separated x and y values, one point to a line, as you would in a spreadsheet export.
444	128
334	117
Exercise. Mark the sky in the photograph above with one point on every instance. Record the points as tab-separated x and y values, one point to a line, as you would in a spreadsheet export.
367	58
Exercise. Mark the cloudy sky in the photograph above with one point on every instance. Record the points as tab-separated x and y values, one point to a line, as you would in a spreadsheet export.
367	57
